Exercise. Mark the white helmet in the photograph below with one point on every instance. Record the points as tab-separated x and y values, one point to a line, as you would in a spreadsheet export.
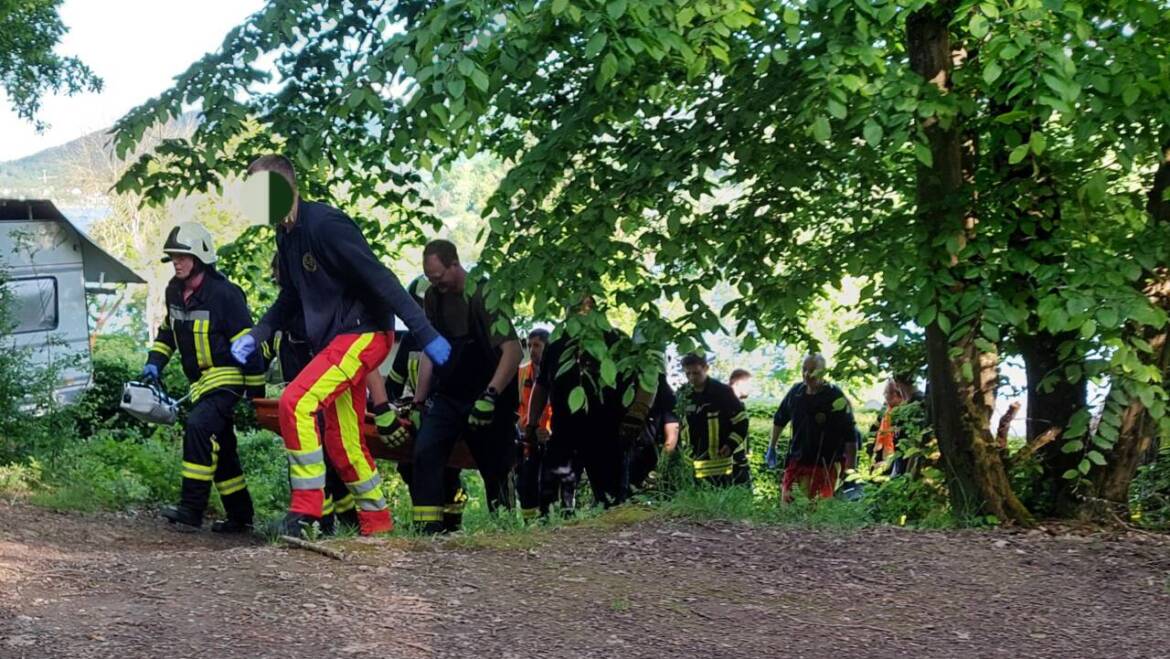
190	238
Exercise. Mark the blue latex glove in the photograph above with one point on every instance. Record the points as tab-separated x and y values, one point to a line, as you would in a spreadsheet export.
243	347
771	458
438	350
149	372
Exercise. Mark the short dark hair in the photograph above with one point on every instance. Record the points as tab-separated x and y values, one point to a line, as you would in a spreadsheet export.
274	162
443	249
737	375
539	333
693	359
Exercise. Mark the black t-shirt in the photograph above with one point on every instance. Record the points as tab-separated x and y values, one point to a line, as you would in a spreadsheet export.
822	424
475	345
600	406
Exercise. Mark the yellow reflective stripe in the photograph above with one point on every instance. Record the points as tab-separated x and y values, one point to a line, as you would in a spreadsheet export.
350	429
344	504
241	333
396	377
255	380
716	467
412	370
162	348
428	513
199	330
328	508
197	471
231	485
351	363
530	513
742	416
214	377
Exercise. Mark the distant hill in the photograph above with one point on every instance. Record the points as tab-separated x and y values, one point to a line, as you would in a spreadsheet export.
74	175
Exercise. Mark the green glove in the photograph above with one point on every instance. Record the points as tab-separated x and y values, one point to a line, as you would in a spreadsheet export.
393	431
483	411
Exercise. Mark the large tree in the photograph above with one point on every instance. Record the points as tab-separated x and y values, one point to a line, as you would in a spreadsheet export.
981	165
29	65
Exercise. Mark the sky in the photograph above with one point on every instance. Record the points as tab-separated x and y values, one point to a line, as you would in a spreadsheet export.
137	47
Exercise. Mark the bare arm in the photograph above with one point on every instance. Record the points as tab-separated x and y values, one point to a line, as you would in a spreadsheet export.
426	371
670	432
377	386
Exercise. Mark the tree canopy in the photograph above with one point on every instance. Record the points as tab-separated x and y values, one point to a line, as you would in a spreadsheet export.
986	168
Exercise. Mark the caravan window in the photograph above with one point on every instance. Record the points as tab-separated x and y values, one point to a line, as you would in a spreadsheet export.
32	304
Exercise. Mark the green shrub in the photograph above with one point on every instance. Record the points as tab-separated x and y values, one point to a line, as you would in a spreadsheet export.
1150	493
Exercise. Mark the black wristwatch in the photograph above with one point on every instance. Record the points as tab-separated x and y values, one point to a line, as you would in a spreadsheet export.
491	391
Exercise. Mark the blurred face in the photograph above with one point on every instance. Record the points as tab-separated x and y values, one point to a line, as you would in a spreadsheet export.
443	277
812	373
696	374
742	388
894	395
535	349
184	265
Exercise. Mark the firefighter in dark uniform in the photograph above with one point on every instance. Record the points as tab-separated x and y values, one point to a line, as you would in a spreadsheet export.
349	300
205	312
397	423
714	427
591	436
473	396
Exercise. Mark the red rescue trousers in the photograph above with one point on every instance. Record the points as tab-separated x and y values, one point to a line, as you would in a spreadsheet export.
334	382
818	481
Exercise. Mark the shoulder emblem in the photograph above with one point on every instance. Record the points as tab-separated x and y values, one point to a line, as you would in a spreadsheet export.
308	262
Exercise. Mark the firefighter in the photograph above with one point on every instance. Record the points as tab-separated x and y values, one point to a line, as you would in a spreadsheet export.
397	424
293	354
714	427
824	435
349	300
534	500
205	312
589	436
473	396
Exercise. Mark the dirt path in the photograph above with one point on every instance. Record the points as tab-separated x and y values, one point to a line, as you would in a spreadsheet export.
118	586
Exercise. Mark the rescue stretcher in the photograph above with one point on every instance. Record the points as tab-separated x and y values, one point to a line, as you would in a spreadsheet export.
267	417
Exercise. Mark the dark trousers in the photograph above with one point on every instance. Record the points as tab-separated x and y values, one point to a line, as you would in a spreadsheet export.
594	445
209	456
560	472
443	424
741	474
455	495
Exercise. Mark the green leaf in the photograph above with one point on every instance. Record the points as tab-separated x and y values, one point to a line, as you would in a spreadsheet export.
1071	475
1096	457
480	80
615	9
944	323
991	72
872	132
559	6
1018	154
1037	142
790	16
456	86
609	67
978	26
1073	446
821	130
1107	317
1084	466
1089	329
576	398
836	108
922	152
596	44
1130	95
466	66
608	372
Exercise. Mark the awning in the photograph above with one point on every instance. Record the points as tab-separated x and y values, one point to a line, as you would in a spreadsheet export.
99	266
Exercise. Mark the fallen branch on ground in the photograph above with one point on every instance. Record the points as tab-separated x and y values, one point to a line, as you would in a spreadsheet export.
313	547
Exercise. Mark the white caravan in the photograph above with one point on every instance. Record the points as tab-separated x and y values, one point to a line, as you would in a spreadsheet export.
46	264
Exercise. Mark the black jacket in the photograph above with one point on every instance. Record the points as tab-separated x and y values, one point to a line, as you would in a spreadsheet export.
713	419
202	329
328	271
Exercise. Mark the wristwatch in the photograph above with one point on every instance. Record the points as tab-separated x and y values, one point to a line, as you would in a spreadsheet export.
491	391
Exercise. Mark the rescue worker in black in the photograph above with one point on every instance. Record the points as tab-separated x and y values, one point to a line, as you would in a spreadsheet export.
589	435
397	423
660	430
714	427
205	312
474	395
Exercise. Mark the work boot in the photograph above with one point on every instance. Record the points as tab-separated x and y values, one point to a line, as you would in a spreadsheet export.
328	524
296	525
372	522
183	519
230	525
348	518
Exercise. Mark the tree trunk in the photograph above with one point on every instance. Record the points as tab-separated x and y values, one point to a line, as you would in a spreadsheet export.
961	404
1139	429
1052	407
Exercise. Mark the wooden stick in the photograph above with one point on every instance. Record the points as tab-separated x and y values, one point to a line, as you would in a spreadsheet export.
312	546
1005	424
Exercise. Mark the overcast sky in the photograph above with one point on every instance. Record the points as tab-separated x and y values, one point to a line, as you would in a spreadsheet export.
137	47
